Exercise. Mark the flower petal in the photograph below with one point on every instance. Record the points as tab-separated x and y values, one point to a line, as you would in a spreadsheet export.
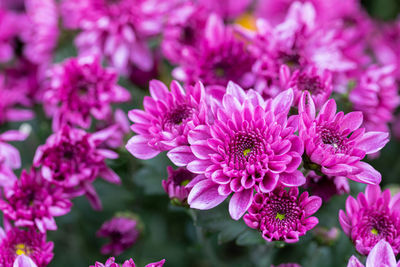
239	203
204	195
138	147
381	255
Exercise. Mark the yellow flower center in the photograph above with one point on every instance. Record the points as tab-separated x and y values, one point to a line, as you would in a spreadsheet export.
21	249
374	231
246	151
280	216
184	182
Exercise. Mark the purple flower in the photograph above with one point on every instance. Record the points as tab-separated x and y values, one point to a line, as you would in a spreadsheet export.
33	202
167	118
123	232
334	143
250	144
9	101
81	88
72	159
380	256
16	242
176	184
219	58
376	96
317	82
372	217
326	187
281	215
128	263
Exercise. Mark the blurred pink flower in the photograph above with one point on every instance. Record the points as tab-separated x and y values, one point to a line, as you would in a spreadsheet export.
176	185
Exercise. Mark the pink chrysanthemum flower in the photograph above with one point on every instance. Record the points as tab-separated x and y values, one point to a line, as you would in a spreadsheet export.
9	102
15	242
72	159
128	263
119	30
176	184
183	31
81	88
317	82
334	143
250	144
376	96
220	57
123	231
33	202
372	217
381	255
326	187
167	118
281	215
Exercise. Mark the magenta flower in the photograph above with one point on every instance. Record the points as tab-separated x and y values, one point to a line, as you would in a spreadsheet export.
81	88
220	57
281	215
381	255
72	159
376	96
326	187
250	144
128	263
167	118
16	242
176	184
123	232
317	82
33	202
9	102
334	143
372	217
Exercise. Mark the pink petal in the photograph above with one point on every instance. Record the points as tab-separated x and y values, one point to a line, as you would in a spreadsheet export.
381	255
158	90
214	31
307	106
312	205
372	193
198	166
201	149
328	111
204	195
282	102
295	178
354	262
368	174
156	264
344	222
181	155
372	142
138	147
24	261
351	121
239	203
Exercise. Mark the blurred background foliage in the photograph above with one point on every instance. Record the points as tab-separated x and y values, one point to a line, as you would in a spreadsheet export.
189	237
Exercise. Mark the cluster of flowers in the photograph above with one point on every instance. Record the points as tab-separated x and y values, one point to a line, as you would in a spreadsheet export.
255	120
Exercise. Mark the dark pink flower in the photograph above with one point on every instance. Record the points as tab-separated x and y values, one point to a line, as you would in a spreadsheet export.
219	58
123	231
281	215
376	96
72	159
176	184
128	263
167	118
33	202
250	144
381	255
335	144
81	88
16	242
372	217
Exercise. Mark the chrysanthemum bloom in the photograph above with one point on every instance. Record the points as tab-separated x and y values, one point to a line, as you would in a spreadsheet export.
376	96
167	118
220	57
81	88
372	217
380	256
119	30
72	159
281	215
15	242
175	185
33	202
250	144
183	31
334	143
9	102
128	263
326	187
123	232
317	82
41	34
